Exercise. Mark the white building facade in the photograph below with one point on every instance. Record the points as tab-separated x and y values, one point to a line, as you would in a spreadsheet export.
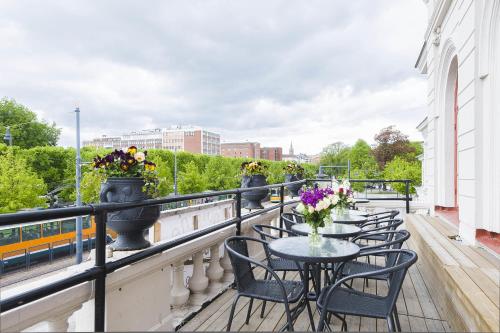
461	162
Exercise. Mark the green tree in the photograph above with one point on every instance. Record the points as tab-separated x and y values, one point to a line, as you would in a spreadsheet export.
335	154
400	168
362	160
20	187
165	178
391	143
90	186
27	131
191	180
220	174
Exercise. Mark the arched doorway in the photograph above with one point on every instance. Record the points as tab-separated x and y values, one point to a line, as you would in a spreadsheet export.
450	136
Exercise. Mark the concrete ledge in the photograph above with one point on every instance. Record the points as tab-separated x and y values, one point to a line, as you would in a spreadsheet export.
463	281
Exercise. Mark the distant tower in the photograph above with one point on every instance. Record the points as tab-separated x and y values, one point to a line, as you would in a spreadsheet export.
290	151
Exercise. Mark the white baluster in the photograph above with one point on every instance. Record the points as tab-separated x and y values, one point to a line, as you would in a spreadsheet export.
59	322
179	293
198	281
225	262
214	270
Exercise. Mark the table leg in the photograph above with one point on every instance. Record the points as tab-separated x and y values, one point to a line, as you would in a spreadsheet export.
306	295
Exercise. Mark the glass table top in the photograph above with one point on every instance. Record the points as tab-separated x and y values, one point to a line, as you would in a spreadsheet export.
348	218
300	249
335	230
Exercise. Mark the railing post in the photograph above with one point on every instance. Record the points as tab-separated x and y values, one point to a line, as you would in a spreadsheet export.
100	262
238	213
282	201
407	195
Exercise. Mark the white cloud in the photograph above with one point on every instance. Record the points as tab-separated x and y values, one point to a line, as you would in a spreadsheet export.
313	72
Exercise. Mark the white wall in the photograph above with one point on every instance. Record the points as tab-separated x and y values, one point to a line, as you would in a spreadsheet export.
469	32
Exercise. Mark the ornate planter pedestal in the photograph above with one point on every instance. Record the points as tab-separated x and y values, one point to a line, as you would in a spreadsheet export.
129	224
254	197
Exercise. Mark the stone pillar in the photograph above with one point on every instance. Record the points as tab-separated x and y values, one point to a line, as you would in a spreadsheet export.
214	270
225	262
198	281
180	294
59	322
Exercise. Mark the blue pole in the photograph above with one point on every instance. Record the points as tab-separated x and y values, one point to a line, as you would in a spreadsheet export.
79	237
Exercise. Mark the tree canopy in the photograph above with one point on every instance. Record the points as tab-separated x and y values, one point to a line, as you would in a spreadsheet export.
391	143
20	187
26	130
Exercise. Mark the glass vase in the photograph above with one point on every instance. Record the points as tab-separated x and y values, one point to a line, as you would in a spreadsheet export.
340	210
314	236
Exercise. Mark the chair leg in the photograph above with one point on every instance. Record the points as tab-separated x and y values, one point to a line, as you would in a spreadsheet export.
231	314
396	319
284	275
390	323
289	317
263	309
249	312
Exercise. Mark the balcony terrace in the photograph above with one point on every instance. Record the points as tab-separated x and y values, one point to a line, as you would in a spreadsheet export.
184	282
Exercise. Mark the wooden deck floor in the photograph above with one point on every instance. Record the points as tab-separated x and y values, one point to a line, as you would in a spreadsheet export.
416	309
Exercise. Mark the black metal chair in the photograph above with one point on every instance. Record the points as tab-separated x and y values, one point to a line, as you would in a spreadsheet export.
369	229
289	219
378	216
338	300
273	290
397	238
275	263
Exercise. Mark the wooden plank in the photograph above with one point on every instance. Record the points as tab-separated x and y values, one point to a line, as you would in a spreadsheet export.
213	311
447	244
417	324
479	313
405	324
434	325
424	298
411	299
485	284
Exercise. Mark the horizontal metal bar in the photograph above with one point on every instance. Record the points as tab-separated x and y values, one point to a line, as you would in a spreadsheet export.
388	199
43	214
47	290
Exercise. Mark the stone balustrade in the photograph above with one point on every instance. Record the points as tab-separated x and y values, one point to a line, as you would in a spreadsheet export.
157	293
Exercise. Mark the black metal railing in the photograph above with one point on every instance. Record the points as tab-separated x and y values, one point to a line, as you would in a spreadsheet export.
99	271
101	268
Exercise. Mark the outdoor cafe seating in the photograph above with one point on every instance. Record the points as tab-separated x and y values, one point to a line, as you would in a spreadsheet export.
342	256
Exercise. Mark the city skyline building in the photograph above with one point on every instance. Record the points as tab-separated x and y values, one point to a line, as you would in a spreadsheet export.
192	139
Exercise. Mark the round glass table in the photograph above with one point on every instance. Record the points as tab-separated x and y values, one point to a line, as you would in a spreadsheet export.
328	250
357	212
348	218
334	230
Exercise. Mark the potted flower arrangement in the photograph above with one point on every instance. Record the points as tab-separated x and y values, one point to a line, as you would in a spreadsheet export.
293	172
344	193
130	177
253	174
316	204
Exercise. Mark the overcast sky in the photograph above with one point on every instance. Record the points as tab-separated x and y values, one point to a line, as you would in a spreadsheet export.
311	72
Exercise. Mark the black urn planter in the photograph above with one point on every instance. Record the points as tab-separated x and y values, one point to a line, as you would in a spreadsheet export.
129	224
293	189
254	197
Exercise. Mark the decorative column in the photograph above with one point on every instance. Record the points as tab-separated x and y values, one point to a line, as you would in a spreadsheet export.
198	281
214	270
59	322
225	262
179	293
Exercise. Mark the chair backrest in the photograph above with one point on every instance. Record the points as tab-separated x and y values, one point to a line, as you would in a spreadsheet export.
394	240
289	219
404	259
237	250
265	233
389	214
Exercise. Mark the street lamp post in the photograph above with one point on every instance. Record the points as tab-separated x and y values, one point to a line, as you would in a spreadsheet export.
79	227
